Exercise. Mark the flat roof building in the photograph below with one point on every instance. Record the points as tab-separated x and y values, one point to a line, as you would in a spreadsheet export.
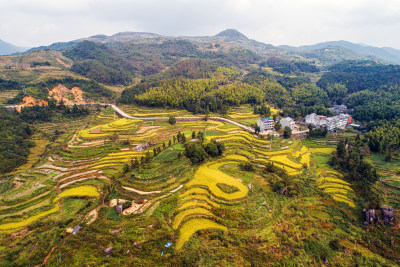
266	124
289	122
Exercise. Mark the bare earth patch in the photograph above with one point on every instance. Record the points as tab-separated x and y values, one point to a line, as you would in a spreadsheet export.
144	129
92	216
63	63
96	131
114	202
140	192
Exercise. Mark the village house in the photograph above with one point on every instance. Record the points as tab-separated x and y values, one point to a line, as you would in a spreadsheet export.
266	124
314	119
289	122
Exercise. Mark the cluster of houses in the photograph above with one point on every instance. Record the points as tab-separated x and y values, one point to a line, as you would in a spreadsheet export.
331	123
267	124
339	121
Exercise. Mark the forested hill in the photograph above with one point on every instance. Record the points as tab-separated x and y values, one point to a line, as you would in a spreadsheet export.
122	63
231	38
385	53
362	75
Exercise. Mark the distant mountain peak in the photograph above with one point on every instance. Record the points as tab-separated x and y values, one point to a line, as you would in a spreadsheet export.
232	34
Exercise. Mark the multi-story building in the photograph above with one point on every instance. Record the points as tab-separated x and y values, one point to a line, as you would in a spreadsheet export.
287	122
314	119
332	123
266	124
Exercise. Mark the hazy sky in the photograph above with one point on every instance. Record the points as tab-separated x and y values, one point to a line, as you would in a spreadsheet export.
292	22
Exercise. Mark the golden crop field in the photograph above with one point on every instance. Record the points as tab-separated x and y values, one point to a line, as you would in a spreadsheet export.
336	185
286	161
195	211
210	176
341	198
193	205
289	170
85	190
192	226
332	180
196	190
200	197
305	158
14	225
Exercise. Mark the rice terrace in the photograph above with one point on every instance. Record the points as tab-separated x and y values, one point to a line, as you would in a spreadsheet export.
143	149
128	162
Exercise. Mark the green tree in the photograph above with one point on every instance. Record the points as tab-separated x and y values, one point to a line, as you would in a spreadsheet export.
195	152
341	149
221	148
212	149
172	120
200	136
277	126
287	133
336	92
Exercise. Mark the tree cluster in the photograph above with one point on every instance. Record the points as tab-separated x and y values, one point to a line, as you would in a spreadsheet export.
197	153
350	161
15	135
317	132
263	110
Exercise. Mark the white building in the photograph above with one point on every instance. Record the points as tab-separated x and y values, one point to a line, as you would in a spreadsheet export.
266	124
336	122
314	119
289	122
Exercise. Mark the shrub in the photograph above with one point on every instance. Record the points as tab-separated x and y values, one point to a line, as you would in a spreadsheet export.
172	120
246	167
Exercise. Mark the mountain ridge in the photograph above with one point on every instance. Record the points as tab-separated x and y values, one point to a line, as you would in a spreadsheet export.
8	48
386	53
347	51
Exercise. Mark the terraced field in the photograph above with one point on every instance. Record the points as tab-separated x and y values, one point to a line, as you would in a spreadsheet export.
388	187
332	181
197	201
172	200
